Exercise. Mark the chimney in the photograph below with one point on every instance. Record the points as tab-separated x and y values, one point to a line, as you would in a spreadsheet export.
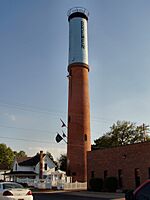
41	165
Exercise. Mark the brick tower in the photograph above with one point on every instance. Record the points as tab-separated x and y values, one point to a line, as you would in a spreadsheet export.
79	141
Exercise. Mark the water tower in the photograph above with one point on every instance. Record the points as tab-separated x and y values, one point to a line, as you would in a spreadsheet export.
79	140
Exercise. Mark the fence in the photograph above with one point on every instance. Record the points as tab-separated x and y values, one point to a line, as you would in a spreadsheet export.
48	184
75	186
29	181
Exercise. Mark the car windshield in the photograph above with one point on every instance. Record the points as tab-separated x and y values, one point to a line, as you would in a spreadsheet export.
11	185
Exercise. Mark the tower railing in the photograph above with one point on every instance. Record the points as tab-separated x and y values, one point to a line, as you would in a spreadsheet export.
78	9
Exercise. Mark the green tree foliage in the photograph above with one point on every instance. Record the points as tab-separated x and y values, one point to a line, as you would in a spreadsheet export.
122	133
20	154
6	156
63	162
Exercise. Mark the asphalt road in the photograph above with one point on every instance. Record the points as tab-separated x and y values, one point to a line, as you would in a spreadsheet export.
62	196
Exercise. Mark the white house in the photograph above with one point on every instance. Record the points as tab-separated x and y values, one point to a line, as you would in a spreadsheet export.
38	171
37	167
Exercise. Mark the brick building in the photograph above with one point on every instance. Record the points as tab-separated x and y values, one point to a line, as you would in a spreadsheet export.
130	164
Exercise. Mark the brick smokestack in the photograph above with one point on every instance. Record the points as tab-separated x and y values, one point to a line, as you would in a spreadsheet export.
41	165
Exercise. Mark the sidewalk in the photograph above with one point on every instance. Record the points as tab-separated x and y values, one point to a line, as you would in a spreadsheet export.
114	196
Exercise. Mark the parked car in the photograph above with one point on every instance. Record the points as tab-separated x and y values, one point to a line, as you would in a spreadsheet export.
140	193
14	191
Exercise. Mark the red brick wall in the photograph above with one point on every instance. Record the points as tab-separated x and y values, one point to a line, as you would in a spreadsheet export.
126	158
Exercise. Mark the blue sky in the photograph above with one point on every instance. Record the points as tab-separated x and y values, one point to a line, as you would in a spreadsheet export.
34	41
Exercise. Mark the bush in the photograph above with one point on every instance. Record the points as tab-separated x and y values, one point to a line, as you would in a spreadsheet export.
129	195
96	184
110	184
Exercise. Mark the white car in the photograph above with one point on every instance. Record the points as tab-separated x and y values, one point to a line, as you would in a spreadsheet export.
14	191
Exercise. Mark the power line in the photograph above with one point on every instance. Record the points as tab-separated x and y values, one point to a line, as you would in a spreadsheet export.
37	141
26	129
29	108
34	109
26	140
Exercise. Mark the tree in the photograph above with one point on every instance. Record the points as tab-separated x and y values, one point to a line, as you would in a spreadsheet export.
121	133
20	154
6	156
63	162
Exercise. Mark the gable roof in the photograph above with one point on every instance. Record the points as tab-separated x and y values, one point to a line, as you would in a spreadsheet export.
31	161
21	173
21	159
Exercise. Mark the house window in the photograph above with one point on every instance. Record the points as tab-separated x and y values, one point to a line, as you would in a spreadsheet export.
105	174
44	176
45	166
120	178
137	177
16	167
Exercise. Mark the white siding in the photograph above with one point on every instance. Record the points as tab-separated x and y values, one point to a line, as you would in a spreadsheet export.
25	168
17	167
50	166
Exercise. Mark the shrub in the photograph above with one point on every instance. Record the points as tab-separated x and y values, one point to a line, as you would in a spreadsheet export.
96	184
129	195
110	184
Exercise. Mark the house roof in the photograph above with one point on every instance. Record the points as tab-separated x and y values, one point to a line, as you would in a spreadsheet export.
4	166
21	173
59	172
21	159
31	161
